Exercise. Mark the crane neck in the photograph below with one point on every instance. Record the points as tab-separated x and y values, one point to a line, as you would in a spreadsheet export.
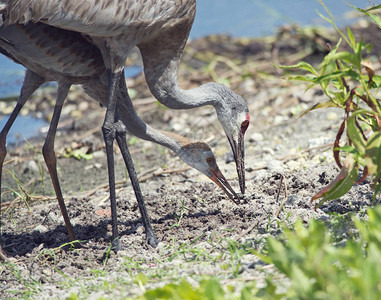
161	59
136	126
167	91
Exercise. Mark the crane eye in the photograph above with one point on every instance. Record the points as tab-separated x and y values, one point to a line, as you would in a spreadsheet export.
245	124
209	160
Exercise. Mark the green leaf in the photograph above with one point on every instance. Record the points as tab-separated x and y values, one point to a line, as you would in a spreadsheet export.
141	279
355	135
337	75
374	17
376	81
302	78
78	154
343	55
302	65
351	37
373	155
341	184
325	104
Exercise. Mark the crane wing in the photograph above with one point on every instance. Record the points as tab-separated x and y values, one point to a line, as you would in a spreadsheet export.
37	45
97	18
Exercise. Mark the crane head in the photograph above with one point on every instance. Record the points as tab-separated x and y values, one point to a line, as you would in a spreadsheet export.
199	156
233	114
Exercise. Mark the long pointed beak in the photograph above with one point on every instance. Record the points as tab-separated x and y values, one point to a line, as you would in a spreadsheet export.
239	157
221	181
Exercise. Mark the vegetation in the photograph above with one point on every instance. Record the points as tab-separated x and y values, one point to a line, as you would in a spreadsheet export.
351	84
313	264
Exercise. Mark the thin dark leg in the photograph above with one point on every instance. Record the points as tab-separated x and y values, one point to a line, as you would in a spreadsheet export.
109	133
31	83
50	157
122	143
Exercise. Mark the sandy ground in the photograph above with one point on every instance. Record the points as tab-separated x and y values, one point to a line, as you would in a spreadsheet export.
287	161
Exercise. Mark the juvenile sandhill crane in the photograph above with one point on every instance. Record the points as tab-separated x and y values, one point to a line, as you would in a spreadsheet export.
160	29
43	50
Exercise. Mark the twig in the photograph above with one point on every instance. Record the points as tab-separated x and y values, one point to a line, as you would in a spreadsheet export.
245	232
282	179
162	172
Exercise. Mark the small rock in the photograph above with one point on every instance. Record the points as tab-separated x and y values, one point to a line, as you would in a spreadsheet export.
332	116
41	228
84	105
293	165
24	273
32	167
47	272
98	165
292	199
267	150
99	154
177	126
53	217
256	137
275	166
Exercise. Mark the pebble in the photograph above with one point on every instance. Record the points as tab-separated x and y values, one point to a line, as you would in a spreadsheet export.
177	126
275	166
267	150
332	116
47	272
293	165
99	154
256	137
53	217
41	228
315	142
31	166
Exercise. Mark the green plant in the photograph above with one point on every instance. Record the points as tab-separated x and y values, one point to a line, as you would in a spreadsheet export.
319	269
209	290
352	85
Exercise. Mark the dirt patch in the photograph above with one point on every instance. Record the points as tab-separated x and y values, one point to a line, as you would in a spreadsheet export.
185	207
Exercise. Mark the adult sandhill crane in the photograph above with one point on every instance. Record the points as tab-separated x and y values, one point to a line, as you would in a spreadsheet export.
44	50
160	29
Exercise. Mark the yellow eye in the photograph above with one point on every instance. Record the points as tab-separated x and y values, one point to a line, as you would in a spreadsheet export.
209	160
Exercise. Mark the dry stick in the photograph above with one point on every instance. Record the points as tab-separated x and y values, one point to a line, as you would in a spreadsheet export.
264	217
282	179
162	172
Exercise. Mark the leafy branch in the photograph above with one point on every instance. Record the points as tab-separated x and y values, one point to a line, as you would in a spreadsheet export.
350	83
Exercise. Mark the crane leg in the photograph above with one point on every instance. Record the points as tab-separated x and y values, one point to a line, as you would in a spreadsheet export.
122	143
31	83
109	133
50	157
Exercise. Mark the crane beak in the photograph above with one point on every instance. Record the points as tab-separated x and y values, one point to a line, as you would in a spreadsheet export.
221	181
239	157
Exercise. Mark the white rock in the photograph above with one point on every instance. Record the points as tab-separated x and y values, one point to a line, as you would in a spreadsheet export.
32	166
275	166
41	228
256	137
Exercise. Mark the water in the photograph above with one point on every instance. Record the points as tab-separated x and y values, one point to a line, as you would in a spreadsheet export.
254	18
251	18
